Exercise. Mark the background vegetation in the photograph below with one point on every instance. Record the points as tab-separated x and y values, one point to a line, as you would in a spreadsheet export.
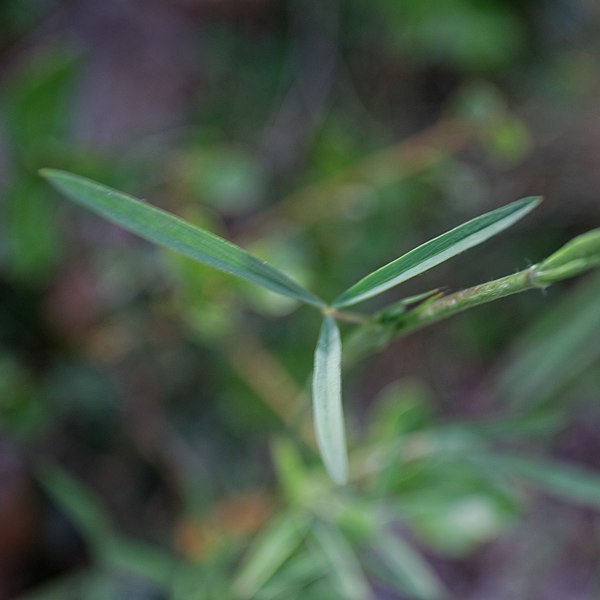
154	432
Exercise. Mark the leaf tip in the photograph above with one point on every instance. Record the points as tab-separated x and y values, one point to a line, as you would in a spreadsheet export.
532	201
50	174
339	476
327	402
537	200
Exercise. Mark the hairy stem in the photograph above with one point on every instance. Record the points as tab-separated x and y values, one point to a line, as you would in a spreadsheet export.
389	324
349	317
437	309
577	256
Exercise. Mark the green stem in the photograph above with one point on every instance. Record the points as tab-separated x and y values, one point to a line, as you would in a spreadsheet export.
386	325
580	254
437	309
349	317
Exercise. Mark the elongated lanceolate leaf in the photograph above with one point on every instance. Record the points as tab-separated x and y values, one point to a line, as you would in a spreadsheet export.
327	401
436	251
270	550
166	229
342	564
79	504
569	481
410	572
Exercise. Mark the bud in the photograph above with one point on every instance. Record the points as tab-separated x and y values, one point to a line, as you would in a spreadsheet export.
578	255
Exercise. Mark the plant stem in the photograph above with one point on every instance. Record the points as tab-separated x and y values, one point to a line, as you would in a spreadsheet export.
350	317
580	254
437	309
382	327
577	256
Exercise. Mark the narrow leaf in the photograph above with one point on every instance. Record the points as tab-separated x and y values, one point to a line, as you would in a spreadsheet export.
555	351
79	504
344	568
163	228
294	579
143	560
436	251
271	549
293	477
327	401
569	481
410	572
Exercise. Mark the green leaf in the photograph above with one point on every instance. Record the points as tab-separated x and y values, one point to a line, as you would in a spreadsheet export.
37	104
397	310
344	568
541	423
270	550
294	579
163	228
79	504
436	251
578	255
327	401
568	481
145	561
293	477
410	572
555	351
32	251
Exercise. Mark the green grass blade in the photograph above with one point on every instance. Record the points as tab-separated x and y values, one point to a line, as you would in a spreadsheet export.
569	481
163	228
554	352
294	579
436	251
271	549
327	402
409	571
343	566
145	561
79	504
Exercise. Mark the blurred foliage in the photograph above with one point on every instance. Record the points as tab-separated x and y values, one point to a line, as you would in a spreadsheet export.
471	35
36	109
163	420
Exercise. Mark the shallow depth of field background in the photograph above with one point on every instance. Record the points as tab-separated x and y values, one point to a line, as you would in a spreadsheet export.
328	138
